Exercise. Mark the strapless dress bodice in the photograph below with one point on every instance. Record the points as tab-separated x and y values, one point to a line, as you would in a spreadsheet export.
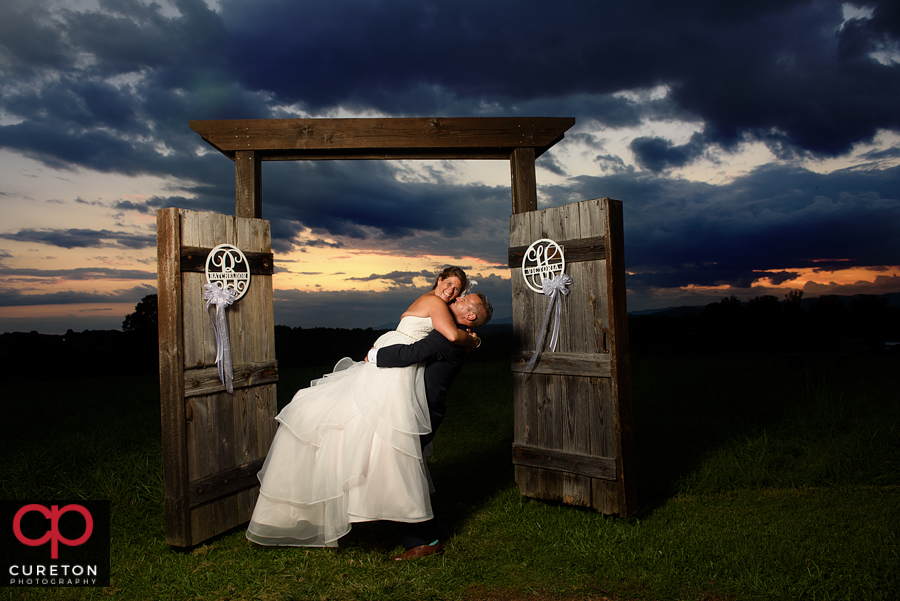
416	328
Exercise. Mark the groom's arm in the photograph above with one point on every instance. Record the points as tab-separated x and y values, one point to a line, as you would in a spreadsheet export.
433	347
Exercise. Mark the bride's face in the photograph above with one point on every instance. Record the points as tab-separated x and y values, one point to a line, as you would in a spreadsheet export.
448	289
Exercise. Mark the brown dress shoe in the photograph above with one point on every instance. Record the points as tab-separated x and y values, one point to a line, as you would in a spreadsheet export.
419	552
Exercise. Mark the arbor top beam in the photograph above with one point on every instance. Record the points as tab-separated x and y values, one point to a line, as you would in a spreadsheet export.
403	138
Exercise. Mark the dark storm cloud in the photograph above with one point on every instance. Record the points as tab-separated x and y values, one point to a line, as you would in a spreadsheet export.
365	202
365	309
79	273
396	278
126	79
659	154
783	72
112	90
14	298
679	233
82	238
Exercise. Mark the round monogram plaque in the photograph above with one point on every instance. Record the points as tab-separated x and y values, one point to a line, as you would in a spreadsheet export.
227	267
542	261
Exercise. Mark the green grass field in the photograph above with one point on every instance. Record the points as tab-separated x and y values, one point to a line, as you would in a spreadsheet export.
757	480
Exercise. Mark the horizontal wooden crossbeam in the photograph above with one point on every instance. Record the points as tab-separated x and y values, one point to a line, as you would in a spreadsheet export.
574	251
565	364
215	486
405	138
603	468
193	259
205	380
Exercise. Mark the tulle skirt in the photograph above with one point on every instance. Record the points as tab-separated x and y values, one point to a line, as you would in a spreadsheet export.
347	450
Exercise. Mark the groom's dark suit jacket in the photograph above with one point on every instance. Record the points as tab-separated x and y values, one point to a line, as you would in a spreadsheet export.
443	361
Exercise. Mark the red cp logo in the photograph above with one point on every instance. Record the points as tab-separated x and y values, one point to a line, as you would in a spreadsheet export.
53	514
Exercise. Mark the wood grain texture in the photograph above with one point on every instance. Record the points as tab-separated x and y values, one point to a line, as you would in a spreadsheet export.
221	433
293	139
564	364
171	383
523	180
620	383
567	406
248	184
575	251
568	462
225	483
193	259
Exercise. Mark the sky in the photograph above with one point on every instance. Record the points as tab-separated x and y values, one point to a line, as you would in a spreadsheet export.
755	145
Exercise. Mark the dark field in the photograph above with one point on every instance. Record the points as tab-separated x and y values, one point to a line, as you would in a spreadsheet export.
759	478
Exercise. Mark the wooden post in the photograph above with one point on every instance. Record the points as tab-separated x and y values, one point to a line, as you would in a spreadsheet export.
171	378
524	184
248	184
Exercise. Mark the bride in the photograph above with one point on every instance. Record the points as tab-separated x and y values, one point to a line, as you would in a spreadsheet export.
347	448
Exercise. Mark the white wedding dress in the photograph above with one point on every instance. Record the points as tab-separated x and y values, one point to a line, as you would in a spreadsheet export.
347	450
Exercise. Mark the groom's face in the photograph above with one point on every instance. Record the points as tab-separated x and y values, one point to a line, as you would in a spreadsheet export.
465	309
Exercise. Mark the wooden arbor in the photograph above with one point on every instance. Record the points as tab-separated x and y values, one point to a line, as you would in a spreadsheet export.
248	142
520	141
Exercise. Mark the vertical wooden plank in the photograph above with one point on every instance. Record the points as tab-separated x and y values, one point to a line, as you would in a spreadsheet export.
222	448
577	427
593	303
244	352
601	409
605	493
524	185
244	426
195	355
529	392
217	229
570	419
265	401
236	233
194	314
205	415
257	412
265	397
202	518
545	423
247	184
246	501
171	382
561	485
523	339
262	402
621	369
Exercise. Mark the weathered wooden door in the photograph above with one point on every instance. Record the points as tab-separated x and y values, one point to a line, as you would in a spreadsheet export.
573	436
214	442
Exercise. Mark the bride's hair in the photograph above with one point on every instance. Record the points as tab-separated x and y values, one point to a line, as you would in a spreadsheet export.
450	272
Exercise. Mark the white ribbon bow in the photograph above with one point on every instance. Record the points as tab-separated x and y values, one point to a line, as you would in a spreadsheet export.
221	298
552	288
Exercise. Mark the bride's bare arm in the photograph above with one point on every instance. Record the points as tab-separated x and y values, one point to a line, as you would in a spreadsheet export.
428	305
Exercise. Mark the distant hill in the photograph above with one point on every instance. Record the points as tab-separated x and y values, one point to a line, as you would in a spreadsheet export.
806	303
670	312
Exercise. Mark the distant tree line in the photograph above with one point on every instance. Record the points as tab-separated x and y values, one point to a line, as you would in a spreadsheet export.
134	349
767	325
764	326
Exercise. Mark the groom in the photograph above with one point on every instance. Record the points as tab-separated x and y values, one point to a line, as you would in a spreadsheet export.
443	362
